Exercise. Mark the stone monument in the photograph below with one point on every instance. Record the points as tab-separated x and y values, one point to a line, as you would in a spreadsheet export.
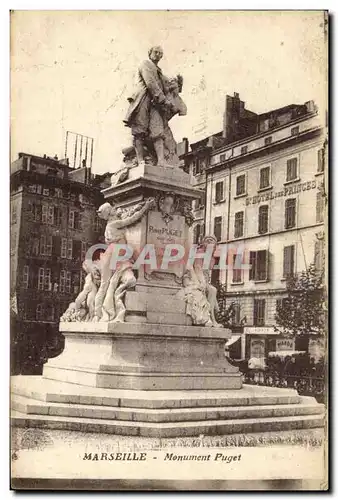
144	354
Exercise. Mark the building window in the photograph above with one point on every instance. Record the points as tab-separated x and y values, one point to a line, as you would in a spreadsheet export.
45	192
294	131
219	192
199	165
319	207
47	281
259	262
237	271
236	318
32	188
41	278
263	219
14	213
58	192
291	169
46	245
244	150
35	243
43	244
50	312
64	248
65	281
240	185
71	219
197	234
37	213
77	221
49	245
25	276
83	250
288	261
57	216
259	312
97	224
267	141
70	249
44	214
39	313
68	281
62	280
239	224
218	228
76	283
319	255
50	219
264	178
215	272
320	160
290	213
222	158
200	202
281	303
39	189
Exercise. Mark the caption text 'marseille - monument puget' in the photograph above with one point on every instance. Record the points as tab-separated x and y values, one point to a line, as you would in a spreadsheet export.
144	354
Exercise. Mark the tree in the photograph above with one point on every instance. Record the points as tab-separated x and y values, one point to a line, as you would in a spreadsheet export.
302	312
225	314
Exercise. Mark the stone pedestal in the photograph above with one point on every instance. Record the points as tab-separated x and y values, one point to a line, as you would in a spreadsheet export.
144	357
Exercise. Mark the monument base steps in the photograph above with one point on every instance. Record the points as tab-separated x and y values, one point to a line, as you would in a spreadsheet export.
48	404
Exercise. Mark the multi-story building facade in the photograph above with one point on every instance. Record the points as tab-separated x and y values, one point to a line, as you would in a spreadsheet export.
53	223
263	178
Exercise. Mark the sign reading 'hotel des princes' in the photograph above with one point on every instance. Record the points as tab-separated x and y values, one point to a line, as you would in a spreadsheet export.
287	191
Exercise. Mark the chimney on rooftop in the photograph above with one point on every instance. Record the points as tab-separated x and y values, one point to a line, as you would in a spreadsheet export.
231	117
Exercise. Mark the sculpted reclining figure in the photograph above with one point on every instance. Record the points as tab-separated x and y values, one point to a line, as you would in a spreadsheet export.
200	295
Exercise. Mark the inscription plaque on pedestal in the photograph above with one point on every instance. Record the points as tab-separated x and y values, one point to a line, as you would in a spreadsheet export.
160	234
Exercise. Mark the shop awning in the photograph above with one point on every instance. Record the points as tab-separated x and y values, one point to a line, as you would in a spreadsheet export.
233	339
283	354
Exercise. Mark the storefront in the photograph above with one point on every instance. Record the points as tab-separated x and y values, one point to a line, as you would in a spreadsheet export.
257	342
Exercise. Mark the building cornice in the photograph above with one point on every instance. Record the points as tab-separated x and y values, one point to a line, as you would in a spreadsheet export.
266	149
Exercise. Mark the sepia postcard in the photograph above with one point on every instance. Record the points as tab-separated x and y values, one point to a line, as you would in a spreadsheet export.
168	258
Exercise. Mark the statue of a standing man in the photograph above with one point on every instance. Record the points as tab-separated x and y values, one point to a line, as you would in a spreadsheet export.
151	107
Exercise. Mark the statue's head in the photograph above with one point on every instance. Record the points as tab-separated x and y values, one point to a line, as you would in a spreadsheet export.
105	211
175	85
155	53
208	240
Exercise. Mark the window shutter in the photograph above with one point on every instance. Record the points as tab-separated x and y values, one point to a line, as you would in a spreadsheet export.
288	261
319	207
218	228
261	265
77	250
263	215
202	230
57	245
286	265
319	255
194	167
219	192
320	160
255	311
252	271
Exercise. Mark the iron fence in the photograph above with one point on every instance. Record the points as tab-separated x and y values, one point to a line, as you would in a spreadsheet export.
305	385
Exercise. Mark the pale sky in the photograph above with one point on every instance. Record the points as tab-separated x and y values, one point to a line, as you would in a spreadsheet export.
73	70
